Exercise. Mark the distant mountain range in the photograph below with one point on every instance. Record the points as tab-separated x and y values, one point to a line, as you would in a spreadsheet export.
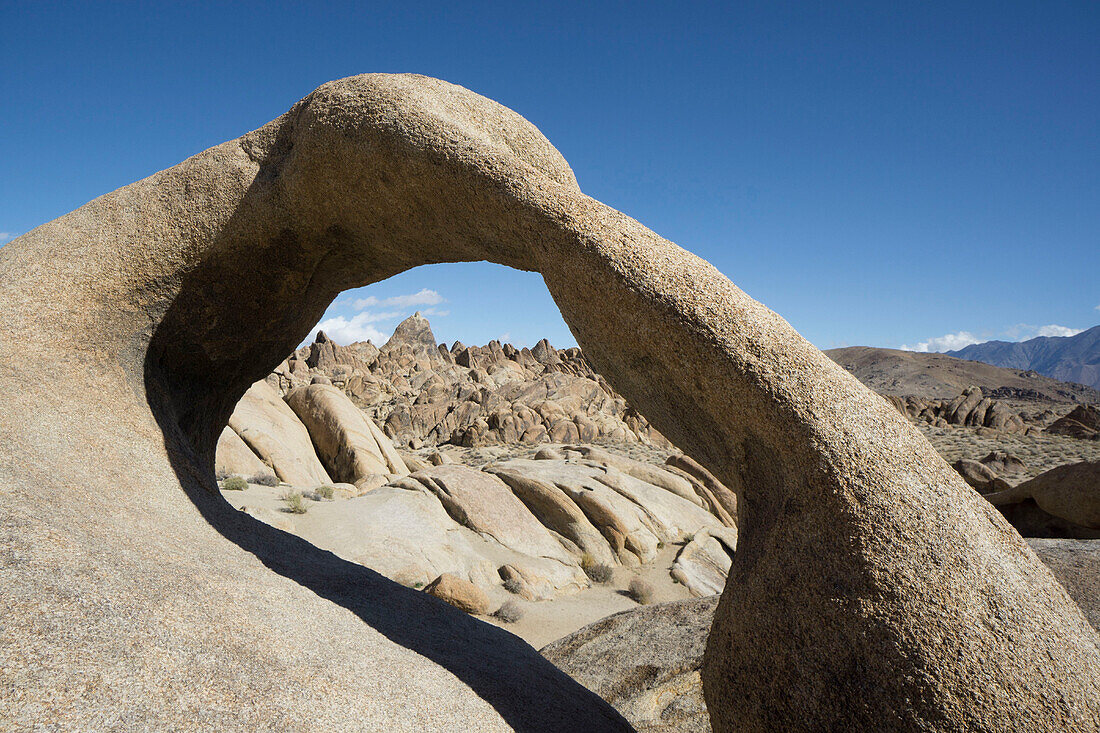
1066	358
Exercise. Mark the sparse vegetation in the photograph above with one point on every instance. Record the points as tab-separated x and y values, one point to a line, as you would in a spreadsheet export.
326	492
599	573
264	478
641	591
221	475
510	612
234	483
587	561
513	585
295	503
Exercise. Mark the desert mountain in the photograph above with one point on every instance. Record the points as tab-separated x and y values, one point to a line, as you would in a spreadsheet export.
939	376
1069	358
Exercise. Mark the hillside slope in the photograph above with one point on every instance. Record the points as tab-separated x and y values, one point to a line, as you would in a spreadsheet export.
938	376
1068	358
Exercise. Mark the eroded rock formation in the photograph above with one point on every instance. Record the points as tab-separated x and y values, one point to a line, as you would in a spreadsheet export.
866	569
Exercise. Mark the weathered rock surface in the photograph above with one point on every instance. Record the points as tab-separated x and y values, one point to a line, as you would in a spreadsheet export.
1082	422
645	662
1071	492
348	442
485	504
235	457
853	534
1004	463
462	594
970	408
704	562
980	476
632	516
277	436
424	394
1076	565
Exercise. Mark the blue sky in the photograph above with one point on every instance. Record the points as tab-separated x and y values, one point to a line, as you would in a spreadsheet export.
878	173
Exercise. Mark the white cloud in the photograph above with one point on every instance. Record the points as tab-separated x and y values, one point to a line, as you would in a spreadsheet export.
1053	330
345	331
1098	307
422	297
948	342
5	236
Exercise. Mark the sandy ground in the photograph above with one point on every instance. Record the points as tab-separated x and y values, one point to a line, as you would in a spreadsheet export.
541	621
1040	452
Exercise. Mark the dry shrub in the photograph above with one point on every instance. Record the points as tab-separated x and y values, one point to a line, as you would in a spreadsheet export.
295	504
264	478
641	591
234	483
509	612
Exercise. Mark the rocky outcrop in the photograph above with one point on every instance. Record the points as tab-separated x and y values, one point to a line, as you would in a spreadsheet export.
972	408
166	299
980	476
457	520
462	594
426	394
704	562
645	662
234	457
1081	422
1070	492
485	504
277	436
352	447
632	517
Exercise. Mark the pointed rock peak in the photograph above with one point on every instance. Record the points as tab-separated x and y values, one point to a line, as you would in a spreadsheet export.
414	331
322	338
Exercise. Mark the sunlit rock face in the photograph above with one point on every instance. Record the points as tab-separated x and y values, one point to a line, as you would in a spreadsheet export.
866	570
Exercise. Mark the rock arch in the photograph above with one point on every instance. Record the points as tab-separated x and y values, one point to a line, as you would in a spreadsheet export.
872	588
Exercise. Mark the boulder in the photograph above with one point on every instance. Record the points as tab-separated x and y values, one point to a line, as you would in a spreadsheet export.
352	447
980	476
1003	462
645	662
1071	492
556	511
462	594
722	501
485	504
277	436
233	456
1082	422
704	562
623	523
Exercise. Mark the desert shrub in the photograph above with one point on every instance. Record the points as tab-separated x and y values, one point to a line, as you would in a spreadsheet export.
641	591
587	561
295	504
234	483
599	573
221	474
512	585
326	492
264	478
509	612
